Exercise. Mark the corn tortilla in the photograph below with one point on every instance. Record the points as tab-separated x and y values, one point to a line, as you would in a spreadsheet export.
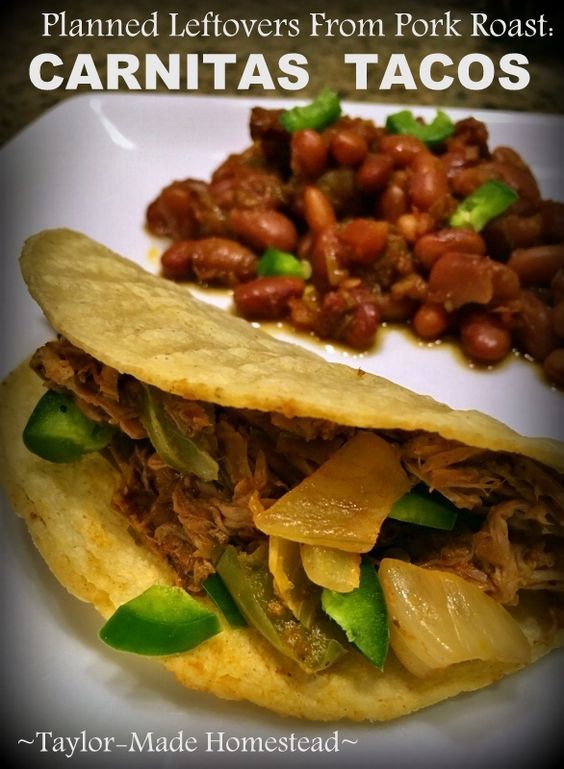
153	330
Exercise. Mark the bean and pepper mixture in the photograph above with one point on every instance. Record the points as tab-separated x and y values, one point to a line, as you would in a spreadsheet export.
337	225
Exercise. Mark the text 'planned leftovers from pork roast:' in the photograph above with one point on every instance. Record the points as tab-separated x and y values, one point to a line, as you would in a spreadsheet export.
337	225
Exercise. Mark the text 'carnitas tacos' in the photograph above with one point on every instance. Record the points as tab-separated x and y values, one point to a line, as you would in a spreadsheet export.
272	527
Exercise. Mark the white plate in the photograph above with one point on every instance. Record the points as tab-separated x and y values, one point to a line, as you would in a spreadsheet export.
92	164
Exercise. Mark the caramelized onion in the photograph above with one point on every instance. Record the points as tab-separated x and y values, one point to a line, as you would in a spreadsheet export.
438	619
342	504
330	568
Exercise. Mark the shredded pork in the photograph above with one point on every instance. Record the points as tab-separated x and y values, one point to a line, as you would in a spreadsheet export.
510	536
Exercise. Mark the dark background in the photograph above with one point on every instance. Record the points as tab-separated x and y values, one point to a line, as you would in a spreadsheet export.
22	27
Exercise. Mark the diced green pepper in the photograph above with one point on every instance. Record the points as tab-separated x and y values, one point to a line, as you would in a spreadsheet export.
58	431
425	509
435	132
276	262
174	448
162	620
325	110
220	595
486	202
362	614
250	583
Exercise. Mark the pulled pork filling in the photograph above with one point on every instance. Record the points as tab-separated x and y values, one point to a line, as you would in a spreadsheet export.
510	532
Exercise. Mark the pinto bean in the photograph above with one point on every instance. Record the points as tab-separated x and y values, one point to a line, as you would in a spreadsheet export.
267	298
210	260
224	261
428	184
523	181
374	173
457	279
393	203
348	147
365	238
430	321
508	155
308	153
535	333
261	228
328	255
176	261
454	160
466	180
553	365
318	209
401	148
414	226
506	283
431	246
510	231
484	339
538	265
515	172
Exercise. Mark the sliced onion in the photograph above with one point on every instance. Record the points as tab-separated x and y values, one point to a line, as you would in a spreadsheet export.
438	619
342	504
334	569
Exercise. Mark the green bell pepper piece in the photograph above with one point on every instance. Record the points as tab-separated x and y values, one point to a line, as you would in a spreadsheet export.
486	202
319	114
162	620
58	431
251	585
435	132
425	509
220	595
177	450
276	262
362	614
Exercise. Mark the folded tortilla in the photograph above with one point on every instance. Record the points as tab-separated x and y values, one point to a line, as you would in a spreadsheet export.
154	331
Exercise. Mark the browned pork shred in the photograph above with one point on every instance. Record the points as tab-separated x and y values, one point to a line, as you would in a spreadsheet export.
510	533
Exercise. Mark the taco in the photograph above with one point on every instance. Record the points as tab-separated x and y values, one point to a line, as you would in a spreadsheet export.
377	551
